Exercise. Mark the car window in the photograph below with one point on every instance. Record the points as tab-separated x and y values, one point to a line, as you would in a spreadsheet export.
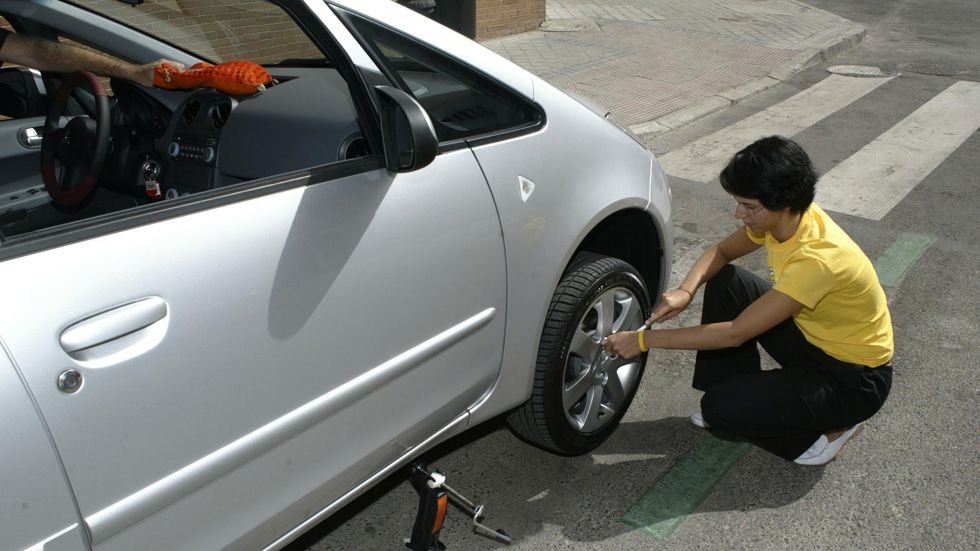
168	145
461	102
19	93
215	30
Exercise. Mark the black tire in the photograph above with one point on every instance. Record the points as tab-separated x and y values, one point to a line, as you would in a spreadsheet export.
551	418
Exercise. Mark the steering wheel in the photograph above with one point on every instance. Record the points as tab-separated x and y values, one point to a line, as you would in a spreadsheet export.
80	146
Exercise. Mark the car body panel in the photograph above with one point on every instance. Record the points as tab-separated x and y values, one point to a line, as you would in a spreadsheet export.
292	296
36	506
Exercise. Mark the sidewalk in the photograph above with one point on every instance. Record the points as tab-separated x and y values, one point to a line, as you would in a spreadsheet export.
660	64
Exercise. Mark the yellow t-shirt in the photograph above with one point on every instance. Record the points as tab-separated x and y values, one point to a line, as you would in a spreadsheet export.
845	310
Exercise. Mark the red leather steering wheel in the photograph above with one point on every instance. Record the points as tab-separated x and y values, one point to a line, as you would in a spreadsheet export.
80	146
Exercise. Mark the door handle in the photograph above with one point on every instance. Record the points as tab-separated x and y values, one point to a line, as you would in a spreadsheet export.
113	324
30	137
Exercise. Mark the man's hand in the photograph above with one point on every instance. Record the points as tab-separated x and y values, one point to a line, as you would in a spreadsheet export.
143	74
672	302
624	343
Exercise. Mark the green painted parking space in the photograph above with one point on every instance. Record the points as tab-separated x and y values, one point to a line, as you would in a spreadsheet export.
682	489
896	261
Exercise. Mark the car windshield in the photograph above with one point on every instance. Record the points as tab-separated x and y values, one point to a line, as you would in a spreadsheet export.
217	30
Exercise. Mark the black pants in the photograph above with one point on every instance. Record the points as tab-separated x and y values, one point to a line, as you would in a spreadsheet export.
785	410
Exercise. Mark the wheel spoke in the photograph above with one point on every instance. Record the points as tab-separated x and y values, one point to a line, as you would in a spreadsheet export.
583	344
574	392
607	411
614	387
606	307
630	314
590	419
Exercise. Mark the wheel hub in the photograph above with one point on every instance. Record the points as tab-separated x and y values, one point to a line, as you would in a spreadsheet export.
598	383
599	367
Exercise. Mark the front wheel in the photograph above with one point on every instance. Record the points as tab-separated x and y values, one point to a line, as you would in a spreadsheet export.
580	392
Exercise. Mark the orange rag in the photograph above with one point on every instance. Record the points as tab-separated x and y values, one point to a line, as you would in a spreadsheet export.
239	78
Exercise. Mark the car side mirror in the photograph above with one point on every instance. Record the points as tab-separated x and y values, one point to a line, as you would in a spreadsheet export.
409	138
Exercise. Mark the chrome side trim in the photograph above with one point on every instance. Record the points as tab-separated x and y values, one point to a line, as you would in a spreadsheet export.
60	540
116	517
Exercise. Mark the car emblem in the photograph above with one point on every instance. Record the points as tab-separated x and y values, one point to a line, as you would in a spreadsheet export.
527	188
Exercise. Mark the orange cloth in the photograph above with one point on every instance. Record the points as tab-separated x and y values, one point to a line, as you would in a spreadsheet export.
239	78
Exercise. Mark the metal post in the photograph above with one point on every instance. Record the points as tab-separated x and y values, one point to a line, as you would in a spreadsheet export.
459	15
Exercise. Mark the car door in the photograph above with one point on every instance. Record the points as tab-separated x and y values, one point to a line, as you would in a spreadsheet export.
216	372
36	509
286	346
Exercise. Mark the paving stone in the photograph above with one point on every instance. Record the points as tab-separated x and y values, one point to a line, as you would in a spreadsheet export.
645	59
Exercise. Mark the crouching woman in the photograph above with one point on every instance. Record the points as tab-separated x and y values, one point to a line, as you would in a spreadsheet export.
822	316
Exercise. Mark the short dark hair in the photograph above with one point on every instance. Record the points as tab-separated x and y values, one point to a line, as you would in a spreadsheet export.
776	171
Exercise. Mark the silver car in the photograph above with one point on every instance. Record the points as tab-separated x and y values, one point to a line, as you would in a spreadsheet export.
223	317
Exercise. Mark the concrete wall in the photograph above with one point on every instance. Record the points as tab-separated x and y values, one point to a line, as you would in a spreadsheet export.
502	17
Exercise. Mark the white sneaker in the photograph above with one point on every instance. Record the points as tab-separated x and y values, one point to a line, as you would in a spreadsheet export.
814	450
829	450
698	420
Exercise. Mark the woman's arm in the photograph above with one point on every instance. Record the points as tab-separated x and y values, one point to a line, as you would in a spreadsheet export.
765	313
717	257
674	301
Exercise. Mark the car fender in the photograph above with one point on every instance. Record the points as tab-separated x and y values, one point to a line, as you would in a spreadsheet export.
581	169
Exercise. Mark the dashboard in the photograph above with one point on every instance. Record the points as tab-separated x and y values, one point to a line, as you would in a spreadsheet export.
166	144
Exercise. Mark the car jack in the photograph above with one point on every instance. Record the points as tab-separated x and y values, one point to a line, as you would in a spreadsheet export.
433	500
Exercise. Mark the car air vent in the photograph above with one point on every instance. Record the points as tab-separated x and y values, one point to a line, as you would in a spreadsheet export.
191	110
354	147
220	113
469	114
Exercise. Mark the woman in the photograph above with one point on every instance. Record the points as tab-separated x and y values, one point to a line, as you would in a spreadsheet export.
822	316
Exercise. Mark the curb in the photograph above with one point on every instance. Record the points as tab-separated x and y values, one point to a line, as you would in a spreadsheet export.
850	37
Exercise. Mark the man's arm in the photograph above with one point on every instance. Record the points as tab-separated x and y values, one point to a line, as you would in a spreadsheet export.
47	55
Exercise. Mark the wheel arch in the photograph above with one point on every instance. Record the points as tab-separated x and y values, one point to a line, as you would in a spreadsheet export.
633	236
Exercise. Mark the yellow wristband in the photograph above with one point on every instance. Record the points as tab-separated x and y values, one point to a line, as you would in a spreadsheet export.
639	340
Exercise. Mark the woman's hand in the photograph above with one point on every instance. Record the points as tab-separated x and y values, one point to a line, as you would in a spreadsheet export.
672	302
624	343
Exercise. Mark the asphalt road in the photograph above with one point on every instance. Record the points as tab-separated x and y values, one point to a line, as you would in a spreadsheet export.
908	482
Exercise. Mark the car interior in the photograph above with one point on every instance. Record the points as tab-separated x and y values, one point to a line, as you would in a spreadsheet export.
163	144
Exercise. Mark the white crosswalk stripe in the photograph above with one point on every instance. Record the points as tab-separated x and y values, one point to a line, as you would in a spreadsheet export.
703	159
875	179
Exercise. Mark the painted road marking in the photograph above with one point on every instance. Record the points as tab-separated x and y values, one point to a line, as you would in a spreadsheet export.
680	491
703	159
875	179
895	262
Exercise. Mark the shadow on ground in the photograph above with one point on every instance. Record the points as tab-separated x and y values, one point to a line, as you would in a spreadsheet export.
525	489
